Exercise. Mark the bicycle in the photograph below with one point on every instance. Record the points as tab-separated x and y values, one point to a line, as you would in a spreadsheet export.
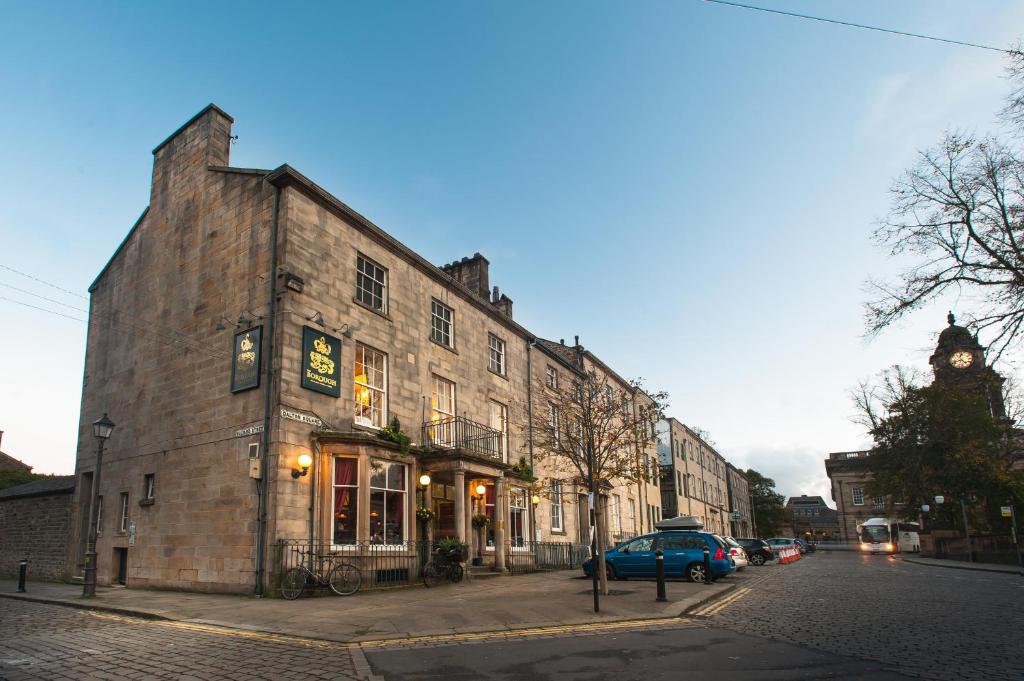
440	568
343	579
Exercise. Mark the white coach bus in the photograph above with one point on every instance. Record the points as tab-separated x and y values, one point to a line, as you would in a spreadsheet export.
888	535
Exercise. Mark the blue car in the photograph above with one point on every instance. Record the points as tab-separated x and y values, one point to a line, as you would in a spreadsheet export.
684	556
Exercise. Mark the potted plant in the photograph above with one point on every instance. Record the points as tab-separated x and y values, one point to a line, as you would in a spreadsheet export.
480	523
451	548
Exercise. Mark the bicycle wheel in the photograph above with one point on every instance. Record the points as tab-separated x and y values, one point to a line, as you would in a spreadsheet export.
345	579
455	572
433	574
292	583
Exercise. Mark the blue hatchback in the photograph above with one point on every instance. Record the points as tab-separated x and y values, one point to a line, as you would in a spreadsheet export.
684	556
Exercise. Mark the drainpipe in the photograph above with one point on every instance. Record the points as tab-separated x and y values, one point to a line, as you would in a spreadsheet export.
529	425
261	536
314	441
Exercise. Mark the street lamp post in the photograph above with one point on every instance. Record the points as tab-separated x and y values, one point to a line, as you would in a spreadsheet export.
101	430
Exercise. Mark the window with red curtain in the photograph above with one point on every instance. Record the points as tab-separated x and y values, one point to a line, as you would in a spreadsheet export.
346	499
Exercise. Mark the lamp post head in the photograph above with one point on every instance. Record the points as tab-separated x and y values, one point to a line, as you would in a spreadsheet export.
424	480
102	427
480	490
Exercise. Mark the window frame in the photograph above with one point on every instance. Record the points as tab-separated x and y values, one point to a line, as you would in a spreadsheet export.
502	426
437	333
856	492
404	492
149	487
362	275
551	377
355	497
435	409
556	505
499	366
371	389
125	496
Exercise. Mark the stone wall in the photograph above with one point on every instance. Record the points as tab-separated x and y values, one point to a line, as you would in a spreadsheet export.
35	528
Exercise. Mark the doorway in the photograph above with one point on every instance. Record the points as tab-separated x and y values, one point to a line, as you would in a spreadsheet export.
121	561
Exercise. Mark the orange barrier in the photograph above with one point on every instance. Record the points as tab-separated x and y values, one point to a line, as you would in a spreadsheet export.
784	556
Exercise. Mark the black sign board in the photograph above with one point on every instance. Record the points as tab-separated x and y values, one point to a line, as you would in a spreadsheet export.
245	359
321	362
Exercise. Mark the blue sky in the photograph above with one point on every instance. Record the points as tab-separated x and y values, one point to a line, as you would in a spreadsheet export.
689	187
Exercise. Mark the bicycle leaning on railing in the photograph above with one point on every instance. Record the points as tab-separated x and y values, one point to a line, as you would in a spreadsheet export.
442	566
343	579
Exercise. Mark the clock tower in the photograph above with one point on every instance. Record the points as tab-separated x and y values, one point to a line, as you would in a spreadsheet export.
959	363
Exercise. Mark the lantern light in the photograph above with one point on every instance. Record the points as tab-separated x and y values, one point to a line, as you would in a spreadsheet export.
425	479
304	461
535	499
480	489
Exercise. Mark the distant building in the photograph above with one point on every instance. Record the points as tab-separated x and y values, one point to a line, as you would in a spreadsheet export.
739	502
811	515
35	523
848	473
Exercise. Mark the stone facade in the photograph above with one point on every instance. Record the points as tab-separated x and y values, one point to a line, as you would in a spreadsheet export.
739	502
809	516
693	477
35	522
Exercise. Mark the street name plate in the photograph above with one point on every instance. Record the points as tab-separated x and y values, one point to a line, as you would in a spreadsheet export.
1006	511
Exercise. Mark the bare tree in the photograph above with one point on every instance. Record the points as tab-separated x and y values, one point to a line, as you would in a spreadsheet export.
958	215
597	432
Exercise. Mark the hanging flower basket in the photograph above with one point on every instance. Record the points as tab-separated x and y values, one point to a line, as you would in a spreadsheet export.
481	520
424	514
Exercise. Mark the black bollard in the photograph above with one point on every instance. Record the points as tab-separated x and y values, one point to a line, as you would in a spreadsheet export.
659	573
22	571
707	565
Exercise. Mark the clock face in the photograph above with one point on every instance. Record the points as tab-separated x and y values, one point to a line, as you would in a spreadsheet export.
961	359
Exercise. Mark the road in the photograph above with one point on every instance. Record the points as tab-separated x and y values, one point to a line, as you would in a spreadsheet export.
834	616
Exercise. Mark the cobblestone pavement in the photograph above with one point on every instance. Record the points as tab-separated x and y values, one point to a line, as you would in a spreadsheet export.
928	622
40	641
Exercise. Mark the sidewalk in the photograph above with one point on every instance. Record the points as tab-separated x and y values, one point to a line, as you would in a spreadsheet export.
964	565
498	604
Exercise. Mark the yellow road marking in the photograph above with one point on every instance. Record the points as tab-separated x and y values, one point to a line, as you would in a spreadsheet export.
553	630
717	606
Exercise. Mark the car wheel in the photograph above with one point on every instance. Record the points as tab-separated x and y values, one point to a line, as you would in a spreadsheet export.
695	572
757	559
609	572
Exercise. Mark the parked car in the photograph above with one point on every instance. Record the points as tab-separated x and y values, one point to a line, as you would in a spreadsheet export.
739	555
758	550
683	555
778	543
808	546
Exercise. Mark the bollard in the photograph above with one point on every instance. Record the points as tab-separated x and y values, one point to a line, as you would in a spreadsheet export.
659	573
707	566
22	571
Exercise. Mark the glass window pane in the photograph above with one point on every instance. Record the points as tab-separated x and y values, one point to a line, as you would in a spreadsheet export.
396	476
378	474
377	513
345	515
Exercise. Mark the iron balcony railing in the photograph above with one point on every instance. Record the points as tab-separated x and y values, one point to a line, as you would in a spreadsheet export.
458	432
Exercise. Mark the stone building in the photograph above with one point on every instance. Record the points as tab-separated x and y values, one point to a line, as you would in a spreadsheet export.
810	516
35	522
693	477
257	341
739	503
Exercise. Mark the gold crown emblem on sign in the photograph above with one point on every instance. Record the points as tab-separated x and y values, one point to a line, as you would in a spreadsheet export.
246	343
322	346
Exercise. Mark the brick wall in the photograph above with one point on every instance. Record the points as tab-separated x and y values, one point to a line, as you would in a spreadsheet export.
35	528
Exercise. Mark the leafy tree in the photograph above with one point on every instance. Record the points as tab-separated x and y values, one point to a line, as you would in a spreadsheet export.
957	223
767	504
17	477
598	432
935	440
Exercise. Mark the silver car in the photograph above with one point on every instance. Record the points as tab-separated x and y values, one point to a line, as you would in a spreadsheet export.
737	553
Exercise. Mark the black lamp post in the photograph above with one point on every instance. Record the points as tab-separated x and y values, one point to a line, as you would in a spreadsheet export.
101	429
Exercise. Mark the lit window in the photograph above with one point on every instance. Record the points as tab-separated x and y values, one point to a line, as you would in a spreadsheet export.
499	422
150	486
442	412
387	502
556	506
369	384
124	512
518	519
441	323
371	284
496	349
346	500
551	378
858	496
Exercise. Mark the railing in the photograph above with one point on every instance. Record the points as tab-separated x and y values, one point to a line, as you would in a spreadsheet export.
382	565
524	557
458	432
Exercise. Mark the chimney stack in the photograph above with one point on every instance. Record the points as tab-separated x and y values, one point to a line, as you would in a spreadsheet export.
472	273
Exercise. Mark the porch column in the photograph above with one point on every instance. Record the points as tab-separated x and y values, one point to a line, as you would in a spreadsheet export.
460	505
472	534
500	507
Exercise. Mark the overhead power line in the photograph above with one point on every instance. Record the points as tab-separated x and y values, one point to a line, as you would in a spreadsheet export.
46	283
851	24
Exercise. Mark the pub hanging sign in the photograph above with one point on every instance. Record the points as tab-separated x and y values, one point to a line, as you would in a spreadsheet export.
245	359
321	362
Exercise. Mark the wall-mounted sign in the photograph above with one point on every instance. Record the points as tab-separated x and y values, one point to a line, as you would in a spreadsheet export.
249	430
300	417
245	359
321	362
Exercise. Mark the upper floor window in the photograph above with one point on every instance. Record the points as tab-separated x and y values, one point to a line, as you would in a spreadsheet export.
441	324
149	485
879	502
499	422
858	496
553	421
496	350
442	412
551	378
609	395
556	506
370	387
123	527
371	284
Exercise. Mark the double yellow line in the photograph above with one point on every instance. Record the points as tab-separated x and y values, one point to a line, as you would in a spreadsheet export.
718	606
